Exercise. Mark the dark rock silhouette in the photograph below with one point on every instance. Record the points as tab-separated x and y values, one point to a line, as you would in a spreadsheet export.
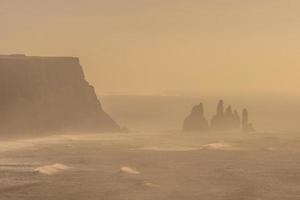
222	121
218	121
229	120
246	126
245	118
196	120
41	94
225	121
237	120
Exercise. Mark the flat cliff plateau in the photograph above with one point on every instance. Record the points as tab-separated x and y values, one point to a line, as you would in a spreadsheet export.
40	94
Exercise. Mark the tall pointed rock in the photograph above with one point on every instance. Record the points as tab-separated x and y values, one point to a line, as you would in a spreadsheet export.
196	121
246	126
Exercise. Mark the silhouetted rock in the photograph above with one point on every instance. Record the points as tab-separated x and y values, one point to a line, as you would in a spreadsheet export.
229	119
225	121
220	108
237	120
196	120
48	94
246	126
217	119
222	121
245	118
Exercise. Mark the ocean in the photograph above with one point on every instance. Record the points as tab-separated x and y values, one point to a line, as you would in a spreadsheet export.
152	165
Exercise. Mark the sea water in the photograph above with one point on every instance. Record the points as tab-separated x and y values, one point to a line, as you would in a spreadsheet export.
142	166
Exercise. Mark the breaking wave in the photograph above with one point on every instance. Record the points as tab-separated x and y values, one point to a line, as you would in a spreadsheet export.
217	146
57	139
51	169
156	148
149	184
129	170
210	146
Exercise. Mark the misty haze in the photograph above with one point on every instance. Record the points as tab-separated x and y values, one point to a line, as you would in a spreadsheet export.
149	99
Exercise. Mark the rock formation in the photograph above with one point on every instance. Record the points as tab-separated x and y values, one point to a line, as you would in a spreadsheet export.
225	121
222	121
246	126
196	120
218	120
237	119
231	120
39	94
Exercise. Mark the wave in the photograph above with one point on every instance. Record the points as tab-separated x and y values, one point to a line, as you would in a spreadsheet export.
13	185
149	184
210	146
58	139
217	146
169	148
51	169
129	170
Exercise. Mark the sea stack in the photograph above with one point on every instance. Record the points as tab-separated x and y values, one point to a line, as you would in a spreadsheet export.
246	126
45	94
223	120
218	120
196	120
231	120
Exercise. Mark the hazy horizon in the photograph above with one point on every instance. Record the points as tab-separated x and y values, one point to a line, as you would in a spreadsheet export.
151	46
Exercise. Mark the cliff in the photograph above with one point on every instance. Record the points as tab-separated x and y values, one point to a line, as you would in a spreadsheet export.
40	94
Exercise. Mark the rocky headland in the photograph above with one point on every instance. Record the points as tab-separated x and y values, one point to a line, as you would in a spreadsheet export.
40	94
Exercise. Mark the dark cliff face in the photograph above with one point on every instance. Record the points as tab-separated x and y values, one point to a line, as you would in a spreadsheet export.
48	94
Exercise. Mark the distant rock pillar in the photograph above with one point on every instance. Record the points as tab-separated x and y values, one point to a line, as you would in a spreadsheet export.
246	126
196	121
237	120
220	108
245	118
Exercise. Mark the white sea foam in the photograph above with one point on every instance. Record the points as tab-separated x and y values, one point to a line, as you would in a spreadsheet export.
51	169
217	146
57	139
129	170
210	146
169	148
11	183
29	143
149	184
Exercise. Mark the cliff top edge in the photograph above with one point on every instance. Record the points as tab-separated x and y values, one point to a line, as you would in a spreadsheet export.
23	56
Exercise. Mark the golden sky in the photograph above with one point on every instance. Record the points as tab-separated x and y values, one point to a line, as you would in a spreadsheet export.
157	46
